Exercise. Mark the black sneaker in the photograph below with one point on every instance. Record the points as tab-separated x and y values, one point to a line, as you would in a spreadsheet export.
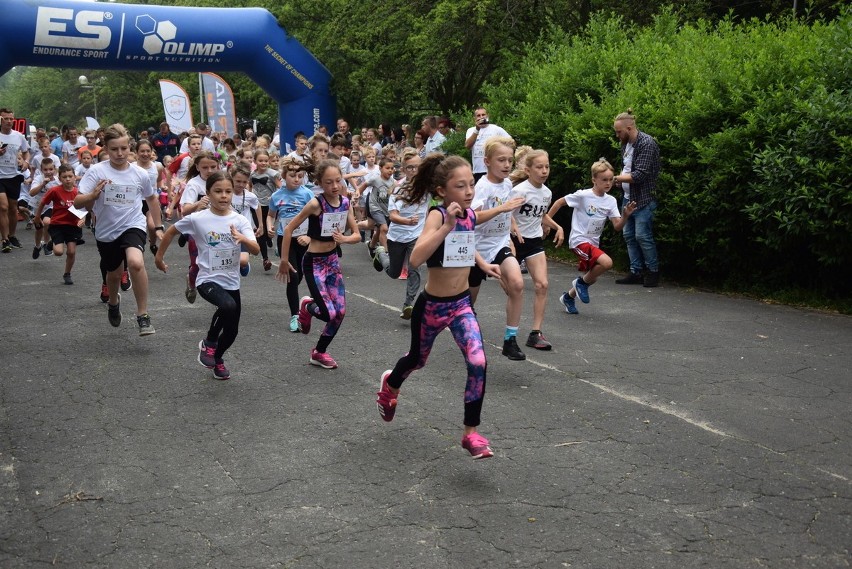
6	246
36	251
13	241
512	351
126	283
114	313
631	278
144	323
66	278
48	249
537	340
652	279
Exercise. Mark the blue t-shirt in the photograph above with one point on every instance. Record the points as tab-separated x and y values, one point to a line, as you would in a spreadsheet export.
288	204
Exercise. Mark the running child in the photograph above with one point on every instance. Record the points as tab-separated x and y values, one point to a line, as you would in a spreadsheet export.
265	181
44	180
530	219
328	215
86	160
447	247
114	190
492	237
194	198
65	226
245	203
145	160
592	207
284	206
381	187
221	234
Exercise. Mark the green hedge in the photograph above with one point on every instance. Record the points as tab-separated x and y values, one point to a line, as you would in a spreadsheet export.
753	122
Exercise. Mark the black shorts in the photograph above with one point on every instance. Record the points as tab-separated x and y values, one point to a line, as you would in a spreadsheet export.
65	233
11	187
144	207
24	203
476	275
529	248
112	252
45	213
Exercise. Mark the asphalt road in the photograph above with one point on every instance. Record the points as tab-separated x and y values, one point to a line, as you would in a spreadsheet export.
667	428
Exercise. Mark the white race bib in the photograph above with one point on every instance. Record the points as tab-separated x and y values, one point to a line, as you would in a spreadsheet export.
459	249
120	196
332	222
10	158
224	259
299	231
499	225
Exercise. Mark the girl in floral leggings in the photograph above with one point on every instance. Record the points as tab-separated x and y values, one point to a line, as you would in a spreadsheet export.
447	247
328	216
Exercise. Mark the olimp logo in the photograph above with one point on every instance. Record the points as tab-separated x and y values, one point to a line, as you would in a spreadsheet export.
159	43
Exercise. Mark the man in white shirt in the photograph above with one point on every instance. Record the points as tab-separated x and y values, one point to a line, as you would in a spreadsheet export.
476	137
436	139
11	143
206	142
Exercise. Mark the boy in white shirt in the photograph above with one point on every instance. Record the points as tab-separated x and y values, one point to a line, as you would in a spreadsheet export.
592	207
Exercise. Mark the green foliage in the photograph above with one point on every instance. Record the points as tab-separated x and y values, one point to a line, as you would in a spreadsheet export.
753	121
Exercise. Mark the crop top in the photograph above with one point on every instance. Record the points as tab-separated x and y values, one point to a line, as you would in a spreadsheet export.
315	221
466	223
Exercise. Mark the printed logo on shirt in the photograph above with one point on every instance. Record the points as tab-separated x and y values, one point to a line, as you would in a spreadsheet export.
215	238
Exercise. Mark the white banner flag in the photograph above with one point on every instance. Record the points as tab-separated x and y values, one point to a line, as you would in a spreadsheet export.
176	106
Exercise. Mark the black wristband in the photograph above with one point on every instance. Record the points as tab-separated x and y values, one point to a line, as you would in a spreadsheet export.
160	227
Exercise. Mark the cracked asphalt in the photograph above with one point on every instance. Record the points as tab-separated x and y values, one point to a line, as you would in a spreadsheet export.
668	428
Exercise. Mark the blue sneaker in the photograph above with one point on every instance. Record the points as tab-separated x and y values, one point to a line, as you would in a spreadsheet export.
244	271
582	289
568	303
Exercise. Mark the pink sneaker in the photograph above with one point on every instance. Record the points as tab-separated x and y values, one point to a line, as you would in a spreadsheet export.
304	315
322	360
386	399
477	446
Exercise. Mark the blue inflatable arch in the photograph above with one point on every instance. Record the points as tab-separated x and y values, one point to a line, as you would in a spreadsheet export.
73	34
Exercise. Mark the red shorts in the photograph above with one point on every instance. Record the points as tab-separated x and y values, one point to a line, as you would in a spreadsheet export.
588	255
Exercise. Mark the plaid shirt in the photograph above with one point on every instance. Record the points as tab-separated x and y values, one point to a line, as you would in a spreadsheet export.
645	169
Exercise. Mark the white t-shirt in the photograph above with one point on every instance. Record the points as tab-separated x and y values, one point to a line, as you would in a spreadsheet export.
38	178
119	206
627	158
244	204
195	189
81	170
492	235
407	233
153	173
35	162
478	151
70	148
9	161
590	215
536	203
206	144
218	254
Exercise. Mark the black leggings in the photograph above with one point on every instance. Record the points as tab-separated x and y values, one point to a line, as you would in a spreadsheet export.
226	320
297	252
264	239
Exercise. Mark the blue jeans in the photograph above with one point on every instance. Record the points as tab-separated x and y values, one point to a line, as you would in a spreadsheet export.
639	236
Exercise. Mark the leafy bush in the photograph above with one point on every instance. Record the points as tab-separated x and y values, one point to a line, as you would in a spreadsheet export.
753	121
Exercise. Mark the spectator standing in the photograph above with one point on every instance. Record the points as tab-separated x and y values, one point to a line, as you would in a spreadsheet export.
640	156
477	136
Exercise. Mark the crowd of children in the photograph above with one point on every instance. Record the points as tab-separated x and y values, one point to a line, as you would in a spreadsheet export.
246	199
